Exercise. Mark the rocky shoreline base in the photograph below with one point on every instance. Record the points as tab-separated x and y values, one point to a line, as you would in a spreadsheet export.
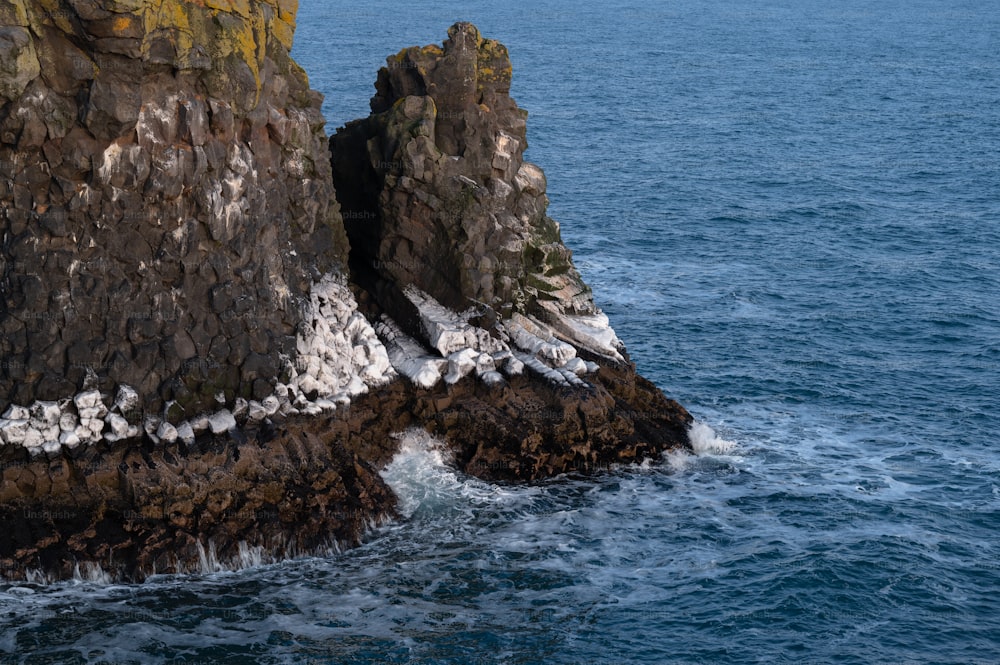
129	509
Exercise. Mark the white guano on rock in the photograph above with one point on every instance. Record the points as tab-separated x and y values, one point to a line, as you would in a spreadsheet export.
338	350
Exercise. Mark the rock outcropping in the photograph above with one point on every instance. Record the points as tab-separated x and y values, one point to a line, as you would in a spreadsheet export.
436	193
203	360
449	235
166	200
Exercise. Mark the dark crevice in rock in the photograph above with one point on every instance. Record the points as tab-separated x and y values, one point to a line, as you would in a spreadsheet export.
358	184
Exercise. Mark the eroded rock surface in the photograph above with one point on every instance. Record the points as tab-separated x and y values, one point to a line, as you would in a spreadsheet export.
165	199
435	191
132	510
307	484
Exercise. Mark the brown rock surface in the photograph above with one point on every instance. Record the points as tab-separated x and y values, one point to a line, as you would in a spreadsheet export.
435	192
167	202
165	198
309	484
134	510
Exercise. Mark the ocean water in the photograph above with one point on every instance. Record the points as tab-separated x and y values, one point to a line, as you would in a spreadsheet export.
790	209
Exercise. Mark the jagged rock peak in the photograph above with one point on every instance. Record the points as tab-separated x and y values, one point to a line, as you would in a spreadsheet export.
469	72
443	199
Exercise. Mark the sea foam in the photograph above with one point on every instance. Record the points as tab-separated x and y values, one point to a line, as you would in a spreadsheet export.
704	441
424	479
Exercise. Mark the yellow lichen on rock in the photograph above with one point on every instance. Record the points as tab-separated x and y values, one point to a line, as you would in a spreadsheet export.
171	18
287	10
125	23
193	23
493	63
223	30
241	7
283	23
12	12
221	5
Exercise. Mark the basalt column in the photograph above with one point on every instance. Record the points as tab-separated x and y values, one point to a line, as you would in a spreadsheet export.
165	200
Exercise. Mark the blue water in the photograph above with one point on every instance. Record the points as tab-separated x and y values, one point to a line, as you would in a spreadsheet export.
791	212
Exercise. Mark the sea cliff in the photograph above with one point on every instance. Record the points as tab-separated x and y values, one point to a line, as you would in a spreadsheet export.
215	319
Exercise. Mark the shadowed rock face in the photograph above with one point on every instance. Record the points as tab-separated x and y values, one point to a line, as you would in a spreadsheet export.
165	198
435	191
